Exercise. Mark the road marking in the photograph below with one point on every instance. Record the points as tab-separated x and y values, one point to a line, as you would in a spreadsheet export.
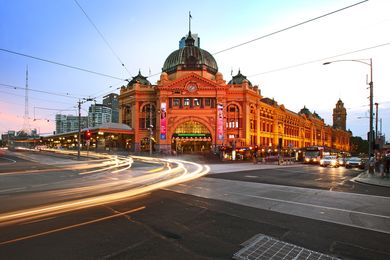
322	210
71	226
13	189
8	159
251	176
312	205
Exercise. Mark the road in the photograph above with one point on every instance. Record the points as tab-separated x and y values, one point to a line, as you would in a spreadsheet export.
206	218
308	176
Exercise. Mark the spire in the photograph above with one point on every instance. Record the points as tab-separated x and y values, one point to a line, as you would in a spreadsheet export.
189	41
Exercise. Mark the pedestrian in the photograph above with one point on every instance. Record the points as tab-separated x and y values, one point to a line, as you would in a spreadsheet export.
371	164
387	165
382	167
255	157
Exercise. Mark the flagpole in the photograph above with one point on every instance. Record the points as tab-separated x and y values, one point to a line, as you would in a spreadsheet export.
189	20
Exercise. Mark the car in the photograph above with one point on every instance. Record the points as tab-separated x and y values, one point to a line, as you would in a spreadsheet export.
329	160
341	161
354	162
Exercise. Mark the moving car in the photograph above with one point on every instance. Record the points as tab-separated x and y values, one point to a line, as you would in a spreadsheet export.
341	161
354	162
329	160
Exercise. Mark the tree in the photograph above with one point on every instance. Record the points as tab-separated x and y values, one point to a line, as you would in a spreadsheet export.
358	145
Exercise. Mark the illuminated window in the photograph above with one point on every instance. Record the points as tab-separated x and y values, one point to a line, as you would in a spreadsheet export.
148	116
176	102
186	102
196	102
192	127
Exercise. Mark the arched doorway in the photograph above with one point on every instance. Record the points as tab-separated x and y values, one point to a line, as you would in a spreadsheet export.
191	137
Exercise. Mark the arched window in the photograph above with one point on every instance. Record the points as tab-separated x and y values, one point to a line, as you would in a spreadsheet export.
233	116
148	116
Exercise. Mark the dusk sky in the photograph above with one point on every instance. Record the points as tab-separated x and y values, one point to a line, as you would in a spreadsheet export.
141	34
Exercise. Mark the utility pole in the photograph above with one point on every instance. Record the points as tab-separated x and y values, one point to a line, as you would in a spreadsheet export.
370	141
376	121
79	137
371	130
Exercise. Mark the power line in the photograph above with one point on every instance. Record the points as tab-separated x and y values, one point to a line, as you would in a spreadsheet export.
289	27
319	60
40	91
60	64
102	36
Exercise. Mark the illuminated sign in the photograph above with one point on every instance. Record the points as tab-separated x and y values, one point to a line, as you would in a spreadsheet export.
220	121
163	121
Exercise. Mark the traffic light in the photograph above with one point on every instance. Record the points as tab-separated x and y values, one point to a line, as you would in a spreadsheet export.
88	135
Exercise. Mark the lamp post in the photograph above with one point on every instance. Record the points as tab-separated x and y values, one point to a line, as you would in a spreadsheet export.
371	84
150	140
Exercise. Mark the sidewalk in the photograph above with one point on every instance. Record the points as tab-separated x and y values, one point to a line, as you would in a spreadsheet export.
373	179
246	166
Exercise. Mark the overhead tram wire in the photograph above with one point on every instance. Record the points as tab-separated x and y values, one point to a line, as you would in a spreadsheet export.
319	60
61	64
40	91
289	27
102	36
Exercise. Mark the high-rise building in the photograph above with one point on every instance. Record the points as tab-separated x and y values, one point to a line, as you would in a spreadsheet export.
112	101
99	114
182	42
69	123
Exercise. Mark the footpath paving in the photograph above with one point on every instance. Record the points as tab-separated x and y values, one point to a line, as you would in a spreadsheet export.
373	179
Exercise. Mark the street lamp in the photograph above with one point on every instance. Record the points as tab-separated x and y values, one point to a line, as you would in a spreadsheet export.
150	140
371	84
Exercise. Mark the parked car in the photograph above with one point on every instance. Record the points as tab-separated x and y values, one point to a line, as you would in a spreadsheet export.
354	162
329	160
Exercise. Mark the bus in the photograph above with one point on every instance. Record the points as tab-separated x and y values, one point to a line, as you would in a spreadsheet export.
314	154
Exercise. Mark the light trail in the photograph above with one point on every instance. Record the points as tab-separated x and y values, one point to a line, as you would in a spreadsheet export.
72	226
173	172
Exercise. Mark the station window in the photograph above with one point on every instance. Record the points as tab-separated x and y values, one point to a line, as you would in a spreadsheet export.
186	102
176	102
207	102
196	102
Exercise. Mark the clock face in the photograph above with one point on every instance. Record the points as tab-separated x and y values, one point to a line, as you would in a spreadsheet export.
192	87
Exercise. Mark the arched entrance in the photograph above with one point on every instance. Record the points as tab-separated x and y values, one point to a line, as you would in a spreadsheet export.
191	137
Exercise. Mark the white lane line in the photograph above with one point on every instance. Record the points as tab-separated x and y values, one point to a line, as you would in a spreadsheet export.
5	158
313	205
13	189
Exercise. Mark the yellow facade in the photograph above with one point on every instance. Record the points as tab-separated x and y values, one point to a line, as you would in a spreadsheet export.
180	113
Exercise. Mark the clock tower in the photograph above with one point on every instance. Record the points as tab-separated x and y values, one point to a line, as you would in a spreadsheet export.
340	116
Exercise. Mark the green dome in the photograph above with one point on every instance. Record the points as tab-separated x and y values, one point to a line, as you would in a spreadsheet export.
190	58
238	79
139	78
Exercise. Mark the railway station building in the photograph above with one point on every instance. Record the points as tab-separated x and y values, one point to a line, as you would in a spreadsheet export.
193	109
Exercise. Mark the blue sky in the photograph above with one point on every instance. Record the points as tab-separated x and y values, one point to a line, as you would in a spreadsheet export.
144	33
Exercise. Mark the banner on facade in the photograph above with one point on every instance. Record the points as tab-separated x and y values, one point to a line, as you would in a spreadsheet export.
220	121
163	121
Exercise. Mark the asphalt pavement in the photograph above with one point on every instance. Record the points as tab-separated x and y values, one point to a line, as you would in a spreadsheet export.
208	219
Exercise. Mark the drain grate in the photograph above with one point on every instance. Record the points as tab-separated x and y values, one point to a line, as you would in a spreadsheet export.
264	247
